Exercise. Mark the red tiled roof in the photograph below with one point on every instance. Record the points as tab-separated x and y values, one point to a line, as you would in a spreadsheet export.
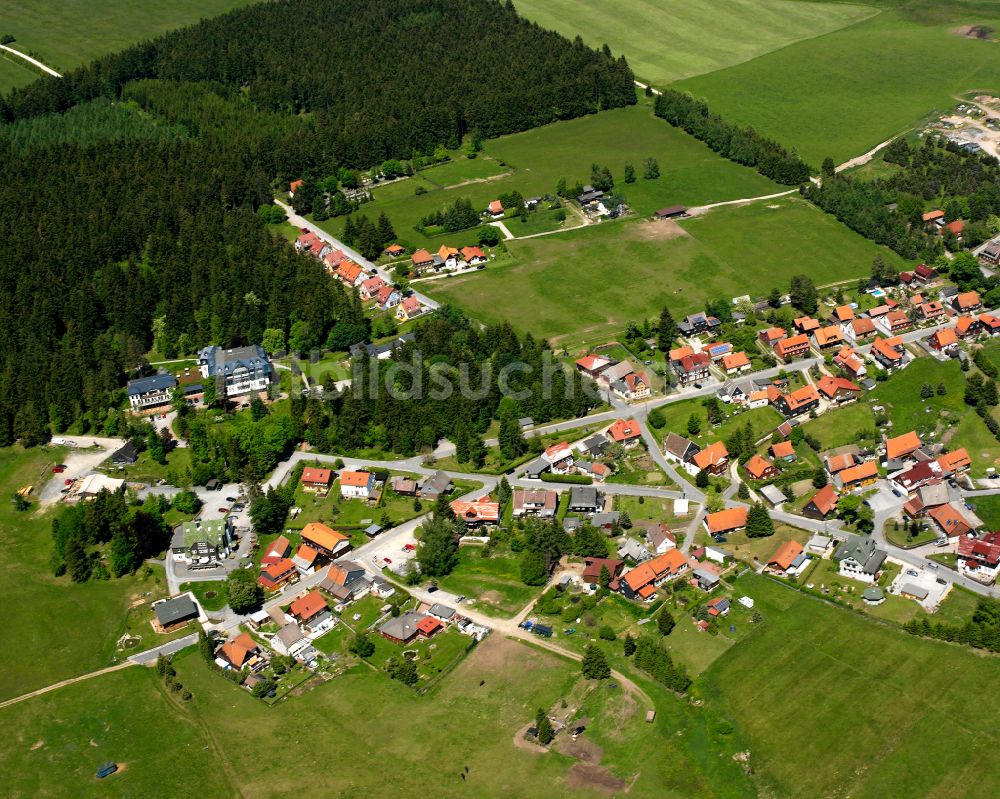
354	479
712	455
670	562
481	510
312	474
729	519
758	467
429	625
967	299
801	396
679	352
825	500
792	344
950	520
625	430
735	360
591	362
902	445
421	257
844	313
930	216
785	555
830	385
322	536
855	474
305	607
954	461
239	650
944	337
863	327
782	449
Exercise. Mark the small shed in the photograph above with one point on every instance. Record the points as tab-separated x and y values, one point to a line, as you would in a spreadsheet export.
672	212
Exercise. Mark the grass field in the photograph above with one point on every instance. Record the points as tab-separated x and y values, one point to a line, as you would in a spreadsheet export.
495	581
533	162
840	94
841	426
670	39
56	742
57	629
837	705
585	284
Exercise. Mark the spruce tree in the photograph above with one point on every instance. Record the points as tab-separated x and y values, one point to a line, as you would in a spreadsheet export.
595	665
759	524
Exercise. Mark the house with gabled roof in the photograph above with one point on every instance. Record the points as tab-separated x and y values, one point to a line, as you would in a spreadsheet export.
712	459
902	446
642	581
893	323
736	362
625	431
966	327
787	560
979	558
476	512
278	549
848	360
370	288
242	652
828	338
410	308
838	389
345	580
316	480
421	260
692	368
681	450
797	402
783	450
726	521
325	540
931	310
859	476
634	386
356	484
944	339
350	273
305	560
759	468
535	502
822	503
310	609
473	255
559	456
592	365
888	352
788	349
274	575
841	315
806	324
861	329
954	462
954	520
967	302
395	250
151	392
495	209
860	558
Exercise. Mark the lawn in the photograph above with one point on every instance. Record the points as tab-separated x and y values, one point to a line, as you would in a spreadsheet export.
841	426
532	163
59	739
669	40
494	582
580	286
987	509
69	33
842	93
749	549
677	415
211	595
89	617
816	680
335	511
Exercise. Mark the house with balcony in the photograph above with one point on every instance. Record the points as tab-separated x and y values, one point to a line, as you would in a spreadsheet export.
241	370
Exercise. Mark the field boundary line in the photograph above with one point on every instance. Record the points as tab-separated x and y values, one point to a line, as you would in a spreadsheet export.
63	683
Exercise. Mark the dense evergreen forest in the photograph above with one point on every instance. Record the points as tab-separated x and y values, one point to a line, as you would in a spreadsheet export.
382	78
889	210
129	189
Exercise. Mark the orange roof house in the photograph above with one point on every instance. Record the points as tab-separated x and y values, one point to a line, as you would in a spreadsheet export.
680	352
395	250
276	574
863	327
886	353
307	607
955	461
862	474
725	520
968	301
834	386
965	326
827	337
294	187
429	625
943	338
421	258
822	502
480	511
735	361
239	651
901	446
806	324
933	216
950	520
625	431
843	313
644	578
349	272
760	468
713	458
799	401
782	560
495	208
446	252
324	539
783	450
792	347
315	478
956	227
771	335
278	550
473	255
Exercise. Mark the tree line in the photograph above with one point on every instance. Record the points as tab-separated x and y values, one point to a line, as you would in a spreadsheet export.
744	145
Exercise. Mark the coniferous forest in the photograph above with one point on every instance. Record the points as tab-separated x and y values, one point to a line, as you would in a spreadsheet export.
129	188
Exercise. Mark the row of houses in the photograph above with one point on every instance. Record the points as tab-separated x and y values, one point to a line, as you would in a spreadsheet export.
447	258
619	377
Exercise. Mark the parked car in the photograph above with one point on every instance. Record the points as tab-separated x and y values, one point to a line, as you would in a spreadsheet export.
230	499
223	510
58	469
933	566
387	560
912	573
408	548
942	581
68	481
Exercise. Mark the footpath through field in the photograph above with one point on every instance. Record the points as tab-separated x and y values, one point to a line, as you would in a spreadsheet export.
33	61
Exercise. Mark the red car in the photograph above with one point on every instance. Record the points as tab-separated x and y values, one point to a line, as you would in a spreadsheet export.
68	481
387	560
409	548
223	510
58	469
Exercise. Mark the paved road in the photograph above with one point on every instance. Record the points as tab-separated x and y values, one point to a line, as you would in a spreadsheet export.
148	657
354	255
33	61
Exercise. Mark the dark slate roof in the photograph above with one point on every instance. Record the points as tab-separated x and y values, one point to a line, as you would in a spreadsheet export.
225	362
143	385
175	610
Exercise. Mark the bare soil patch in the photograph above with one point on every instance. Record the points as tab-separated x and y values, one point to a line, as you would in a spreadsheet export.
490	597
658	230
981	32
596	778
498	654
583	749
37	744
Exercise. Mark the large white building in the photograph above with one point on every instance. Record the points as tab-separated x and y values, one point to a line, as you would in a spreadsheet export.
150	392
244	369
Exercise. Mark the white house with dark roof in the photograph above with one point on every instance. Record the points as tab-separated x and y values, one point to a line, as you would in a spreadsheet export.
243	369
150	392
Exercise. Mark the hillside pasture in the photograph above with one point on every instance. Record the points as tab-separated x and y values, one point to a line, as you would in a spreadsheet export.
842	93
582	286
670	39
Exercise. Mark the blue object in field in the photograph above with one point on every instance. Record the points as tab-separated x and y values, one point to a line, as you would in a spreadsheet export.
732	628
526	624
107	770
543	630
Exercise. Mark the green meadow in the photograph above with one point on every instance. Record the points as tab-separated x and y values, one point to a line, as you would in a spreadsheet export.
56	629
671	39
842	93
580	286
837	705
532	163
